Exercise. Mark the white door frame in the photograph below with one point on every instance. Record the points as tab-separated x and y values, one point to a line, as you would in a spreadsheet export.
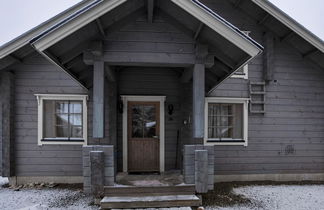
126	99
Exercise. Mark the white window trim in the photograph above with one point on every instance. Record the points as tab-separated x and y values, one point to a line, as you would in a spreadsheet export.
160	99
245	102
42	97
245	74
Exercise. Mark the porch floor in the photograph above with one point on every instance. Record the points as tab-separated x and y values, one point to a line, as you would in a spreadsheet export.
169	178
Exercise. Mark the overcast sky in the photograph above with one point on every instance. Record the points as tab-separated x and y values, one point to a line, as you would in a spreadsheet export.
15	20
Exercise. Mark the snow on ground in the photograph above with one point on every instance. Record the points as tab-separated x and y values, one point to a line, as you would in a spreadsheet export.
46	198
3	181
282	197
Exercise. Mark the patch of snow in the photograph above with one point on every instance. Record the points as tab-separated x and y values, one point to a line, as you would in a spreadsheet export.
3	181
148	183
32	199
280	197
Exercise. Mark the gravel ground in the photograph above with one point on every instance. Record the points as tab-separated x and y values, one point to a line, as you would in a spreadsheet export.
45	198
282	197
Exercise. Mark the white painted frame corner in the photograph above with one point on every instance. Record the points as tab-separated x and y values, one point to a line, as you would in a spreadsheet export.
245	102
42	97
161	99
245	74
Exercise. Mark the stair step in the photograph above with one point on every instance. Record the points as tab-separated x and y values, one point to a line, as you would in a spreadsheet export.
149	201
172	208
116	191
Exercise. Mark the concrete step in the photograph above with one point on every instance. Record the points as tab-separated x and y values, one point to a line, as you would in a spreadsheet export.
119	191
131	202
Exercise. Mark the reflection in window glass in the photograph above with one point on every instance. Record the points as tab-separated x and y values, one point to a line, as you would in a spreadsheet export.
143	121
63	119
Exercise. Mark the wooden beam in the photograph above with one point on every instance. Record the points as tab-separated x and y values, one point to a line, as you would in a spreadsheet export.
110	74
237	3
96	48
186	75
265	17
200	27
150	10
198	102
309	53
224	58
98	99
73	62
73	53
100	28
268	56
52	58
7	123
287	36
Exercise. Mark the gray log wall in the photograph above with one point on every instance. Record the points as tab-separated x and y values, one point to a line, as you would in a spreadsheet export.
289	137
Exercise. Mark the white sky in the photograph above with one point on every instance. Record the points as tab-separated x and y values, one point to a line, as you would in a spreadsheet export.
15	20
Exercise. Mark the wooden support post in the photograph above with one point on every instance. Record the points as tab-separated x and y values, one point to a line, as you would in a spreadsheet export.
201	171
97	173
268	56
150	10
98	98
199	94
7	123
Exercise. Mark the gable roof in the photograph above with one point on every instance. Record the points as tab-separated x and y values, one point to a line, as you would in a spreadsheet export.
291	23
26	37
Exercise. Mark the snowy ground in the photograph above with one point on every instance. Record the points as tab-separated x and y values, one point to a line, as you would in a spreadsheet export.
33	199
282	197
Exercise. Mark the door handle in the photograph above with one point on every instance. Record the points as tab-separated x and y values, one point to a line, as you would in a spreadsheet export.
155	137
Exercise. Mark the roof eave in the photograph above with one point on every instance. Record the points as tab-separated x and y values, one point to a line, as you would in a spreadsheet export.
24	39
290	23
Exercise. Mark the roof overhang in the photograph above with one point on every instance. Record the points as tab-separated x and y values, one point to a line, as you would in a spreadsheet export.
193	7
290	23
25	38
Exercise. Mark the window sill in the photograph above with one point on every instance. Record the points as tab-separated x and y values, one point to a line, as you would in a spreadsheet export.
62	141
226	142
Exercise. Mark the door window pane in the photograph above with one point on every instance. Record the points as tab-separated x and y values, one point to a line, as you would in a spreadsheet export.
143	121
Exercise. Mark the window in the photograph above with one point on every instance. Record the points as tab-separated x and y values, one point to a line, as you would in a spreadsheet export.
226	121
62	119
242	73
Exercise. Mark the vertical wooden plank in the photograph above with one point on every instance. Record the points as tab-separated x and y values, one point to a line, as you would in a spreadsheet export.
7	97
198	101
268	56
150	10
98	99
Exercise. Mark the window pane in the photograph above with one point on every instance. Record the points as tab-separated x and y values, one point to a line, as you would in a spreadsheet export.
76	132
62	132
225	121
76	107
62	107
143	121
62	119
49	119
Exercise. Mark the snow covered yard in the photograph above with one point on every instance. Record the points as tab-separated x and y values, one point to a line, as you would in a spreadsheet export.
279	197
45	198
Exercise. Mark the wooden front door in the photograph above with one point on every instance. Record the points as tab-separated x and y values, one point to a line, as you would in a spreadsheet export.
143	136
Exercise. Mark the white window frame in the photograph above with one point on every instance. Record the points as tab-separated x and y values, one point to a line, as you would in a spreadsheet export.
245	74
40	101
244	102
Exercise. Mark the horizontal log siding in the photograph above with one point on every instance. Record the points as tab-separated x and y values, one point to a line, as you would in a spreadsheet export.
289	138
35	76
154	81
